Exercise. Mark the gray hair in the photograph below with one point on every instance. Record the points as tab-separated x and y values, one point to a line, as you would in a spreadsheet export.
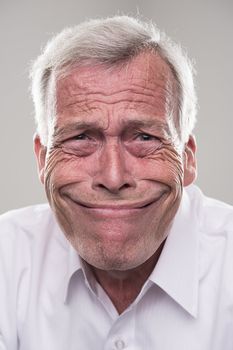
109	41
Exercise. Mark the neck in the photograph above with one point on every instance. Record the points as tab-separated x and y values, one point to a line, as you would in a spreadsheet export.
123	287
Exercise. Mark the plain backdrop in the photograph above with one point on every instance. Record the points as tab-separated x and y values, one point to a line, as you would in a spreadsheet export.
204	28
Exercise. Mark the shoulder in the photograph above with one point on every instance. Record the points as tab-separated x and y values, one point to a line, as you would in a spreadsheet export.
26	235
27	220
214	217
23	235
23	229
24	215
215	222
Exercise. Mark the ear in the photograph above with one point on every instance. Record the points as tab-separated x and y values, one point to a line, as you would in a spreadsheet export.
190	162
40	153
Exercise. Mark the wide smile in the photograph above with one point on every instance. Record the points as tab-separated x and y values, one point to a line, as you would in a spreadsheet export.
117	210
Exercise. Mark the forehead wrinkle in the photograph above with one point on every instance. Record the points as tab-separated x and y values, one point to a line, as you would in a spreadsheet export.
148	88
159	96
83	90
87	104
84	79
96	96
71	108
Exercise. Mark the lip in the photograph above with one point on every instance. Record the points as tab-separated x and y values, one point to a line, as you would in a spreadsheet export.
119	209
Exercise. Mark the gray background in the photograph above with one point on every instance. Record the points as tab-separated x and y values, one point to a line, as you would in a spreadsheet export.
205	29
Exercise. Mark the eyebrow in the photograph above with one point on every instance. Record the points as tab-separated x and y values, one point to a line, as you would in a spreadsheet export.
141	122
131	123
72	127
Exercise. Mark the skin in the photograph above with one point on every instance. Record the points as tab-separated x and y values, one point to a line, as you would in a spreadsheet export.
114	169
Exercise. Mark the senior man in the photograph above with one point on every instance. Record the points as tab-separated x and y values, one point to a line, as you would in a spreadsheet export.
126	255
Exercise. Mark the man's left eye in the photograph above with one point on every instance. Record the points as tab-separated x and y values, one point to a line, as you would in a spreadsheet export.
146	137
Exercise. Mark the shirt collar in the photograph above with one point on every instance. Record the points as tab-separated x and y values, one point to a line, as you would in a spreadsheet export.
176	271
75	266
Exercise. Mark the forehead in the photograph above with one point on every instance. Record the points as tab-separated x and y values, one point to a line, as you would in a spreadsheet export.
145	82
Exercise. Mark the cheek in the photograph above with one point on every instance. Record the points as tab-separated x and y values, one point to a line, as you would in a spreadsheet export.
60	170
172	162
166	166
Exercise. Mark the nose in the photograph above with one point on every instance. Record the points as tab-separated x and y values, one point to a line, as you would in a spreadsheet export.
112	174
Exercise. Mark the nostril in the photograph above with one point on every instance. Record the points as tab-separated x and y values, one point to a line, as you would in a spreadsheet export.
102	186
112	188
124	186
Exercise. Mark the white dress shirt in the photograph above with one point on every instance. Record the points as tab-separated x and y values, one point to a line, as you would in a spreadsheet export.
50	301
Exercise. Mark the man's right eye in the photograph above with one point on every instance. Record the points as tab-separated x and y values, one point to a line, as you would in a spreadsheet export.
81	145
80	137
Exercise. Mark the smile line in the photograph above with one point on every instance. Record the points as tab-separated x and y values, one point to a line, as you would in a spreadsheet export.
114	207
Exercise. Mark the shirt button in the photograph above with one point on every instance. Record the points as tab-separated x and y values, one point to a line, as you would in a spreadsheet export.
119	344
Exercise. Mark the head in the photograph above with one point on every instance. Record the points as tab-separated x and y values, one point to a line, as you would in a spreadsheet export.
115	109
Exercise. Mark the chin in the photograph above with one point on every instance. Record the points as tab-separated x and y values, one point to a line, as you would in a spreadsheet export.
112	263
114	256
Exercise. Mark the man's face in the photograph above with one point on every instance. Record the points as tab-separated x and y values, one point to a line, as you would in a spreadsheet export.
113	172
